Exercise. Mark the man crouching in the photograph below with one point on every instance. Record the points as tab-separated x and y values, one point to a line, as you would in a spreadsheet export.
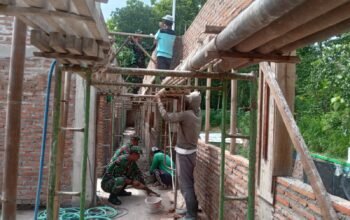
123	171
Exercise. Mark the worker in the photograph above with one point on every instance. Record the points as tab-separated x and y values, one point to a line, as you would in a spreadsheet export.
186	146
139	57
164	40
126	149
161	171
121	172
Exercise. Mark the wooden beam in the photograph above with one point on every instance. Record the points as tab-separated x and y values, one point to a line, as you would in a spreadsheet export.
60	5
74	45
27	11
212	29
253	56
88	8
67	56
233	115
57	42
322	197
90	47
40	40
102	1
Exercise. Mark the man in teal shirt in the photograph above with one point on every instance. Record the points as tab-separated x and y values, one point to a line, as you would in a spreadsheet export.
165	39
162	171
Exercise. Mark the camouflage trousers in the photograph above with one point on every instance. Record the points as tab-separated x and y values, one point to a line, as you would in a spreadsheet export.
112	184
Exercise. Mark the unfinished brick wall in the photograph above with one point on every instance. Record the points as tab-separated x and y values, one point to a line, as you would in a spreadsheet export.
103	134
207	176
218	13
294	199
34	87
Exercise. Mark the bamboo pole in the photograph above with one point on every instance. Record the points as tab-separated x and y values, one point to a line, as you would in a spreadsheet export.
222	151
86	145
170	73
61	140
97	83
233	115
54	143
130	34
13	121
252	150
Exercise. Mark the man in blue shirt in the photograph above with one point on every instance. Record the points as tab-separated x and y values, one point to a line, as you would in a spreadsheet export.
165	39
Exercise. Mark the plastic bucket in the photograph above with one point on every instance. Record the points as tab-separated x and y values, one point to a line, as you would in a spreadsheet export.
153	204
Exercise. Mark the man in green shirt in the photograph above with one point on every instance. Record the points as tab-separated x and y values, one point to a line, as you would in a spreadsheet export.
162	171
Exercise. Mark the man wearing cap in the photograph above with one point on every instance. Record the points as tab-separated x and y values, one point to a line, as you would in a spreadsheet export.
121	172
189	124
165	39
162	171
126	149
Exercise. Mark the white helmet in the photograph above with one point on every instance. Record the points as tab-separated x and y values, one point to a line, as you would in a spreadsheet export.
168	18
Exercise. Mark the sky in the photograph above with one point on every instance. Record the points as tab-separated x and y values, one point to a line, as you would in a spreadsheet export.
113	4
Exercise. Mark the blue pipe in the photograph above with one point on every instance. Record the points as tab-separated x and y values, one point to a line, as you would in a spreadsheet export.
43	141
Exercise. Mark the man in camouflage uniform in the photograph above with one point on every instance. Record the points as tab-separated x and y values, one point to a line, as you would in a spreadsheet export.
122	171
125	149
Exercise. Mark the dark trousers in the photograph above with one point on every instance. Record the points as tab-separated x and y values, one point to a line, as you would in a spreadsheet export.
185	166
163	63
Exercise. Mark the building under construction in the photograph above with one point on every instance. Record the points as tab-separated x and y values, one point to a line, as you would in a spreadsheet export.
60	87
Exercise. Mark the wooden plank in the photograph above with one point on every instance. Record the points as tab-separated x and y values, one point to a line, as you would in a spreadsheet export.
61	5
321	194
36	3
74	45
90	47
88	8
282	147
44	5
40	40
57	42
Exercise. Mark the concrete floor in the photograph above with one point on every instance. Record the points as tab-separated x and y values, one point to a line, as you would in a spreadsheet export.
133	207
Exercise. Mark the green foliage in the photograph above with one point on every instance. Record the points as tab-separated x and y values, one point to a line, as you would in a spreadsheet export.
323	96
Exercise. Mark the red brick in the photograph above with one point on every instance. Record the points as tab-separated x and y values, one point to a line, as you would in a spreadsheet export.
283	200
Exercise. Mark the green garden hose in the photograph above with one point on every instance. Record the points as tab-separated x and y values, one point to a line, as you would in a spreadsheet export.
100	212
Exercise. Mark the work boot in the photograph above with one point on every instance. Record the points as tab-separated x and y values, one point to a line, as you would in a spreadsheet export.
114	199
123	192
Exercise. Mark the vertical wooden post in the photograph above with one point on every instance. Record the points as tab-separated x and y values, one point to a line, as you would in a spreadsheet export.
233	115
54	143
61	140
13	121
207	109
86	145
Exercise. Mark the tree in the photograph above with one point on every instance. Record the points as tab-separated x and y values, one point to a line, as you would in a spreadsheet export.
135	16
323	95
